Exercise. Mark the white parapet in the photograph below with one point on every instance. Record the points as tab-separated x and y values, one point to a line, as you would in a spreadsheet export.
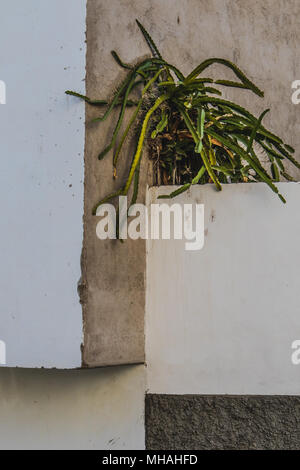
222	320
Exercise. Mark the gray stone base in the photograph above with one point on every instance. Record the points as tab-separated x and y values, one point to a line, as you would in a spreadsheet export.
190	422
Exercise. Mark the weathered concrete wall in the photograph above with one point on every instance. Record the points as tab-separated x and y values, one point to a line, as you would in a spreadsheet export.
191	422
91	409
113	290
261	39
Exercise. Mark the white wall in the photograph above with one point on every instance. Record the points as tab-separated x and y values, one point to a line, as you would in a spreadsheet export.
41	181
42	143
222	320
83	409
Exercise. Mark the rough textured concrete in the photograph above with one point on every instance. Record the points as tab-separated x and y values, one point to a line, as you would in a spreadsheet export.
112	289
261	39
80	409
191	422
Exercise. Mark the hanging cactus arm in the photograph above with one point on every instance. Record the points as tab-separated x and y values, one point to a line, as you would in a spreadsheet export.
133	118
209	169
255	129
185	187
202	151
114	101
86	98
232	84
119	122
232	66
125	133
106	199
175	193
152	46
138	153
136	184
152	81
239	150
120	62
127	82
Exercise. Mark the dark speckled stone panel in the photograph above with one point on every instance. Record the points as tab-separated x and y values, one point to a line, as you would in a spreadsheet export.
191	422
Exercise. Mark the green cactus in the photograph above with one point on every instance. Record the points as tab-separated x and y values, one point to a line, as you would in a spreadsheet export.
200	138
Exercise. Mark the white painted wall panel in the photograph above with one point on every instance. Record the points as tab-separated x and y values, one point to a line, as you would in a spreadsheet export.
222	320
78	409
42	52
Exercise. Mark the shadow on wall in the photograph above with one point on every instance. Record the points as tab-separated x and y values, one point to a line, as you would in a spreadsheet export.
79	409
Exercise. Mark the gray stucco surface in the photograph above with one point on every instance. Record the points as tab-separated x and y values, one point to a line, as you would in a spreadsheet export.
192	422
112	288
